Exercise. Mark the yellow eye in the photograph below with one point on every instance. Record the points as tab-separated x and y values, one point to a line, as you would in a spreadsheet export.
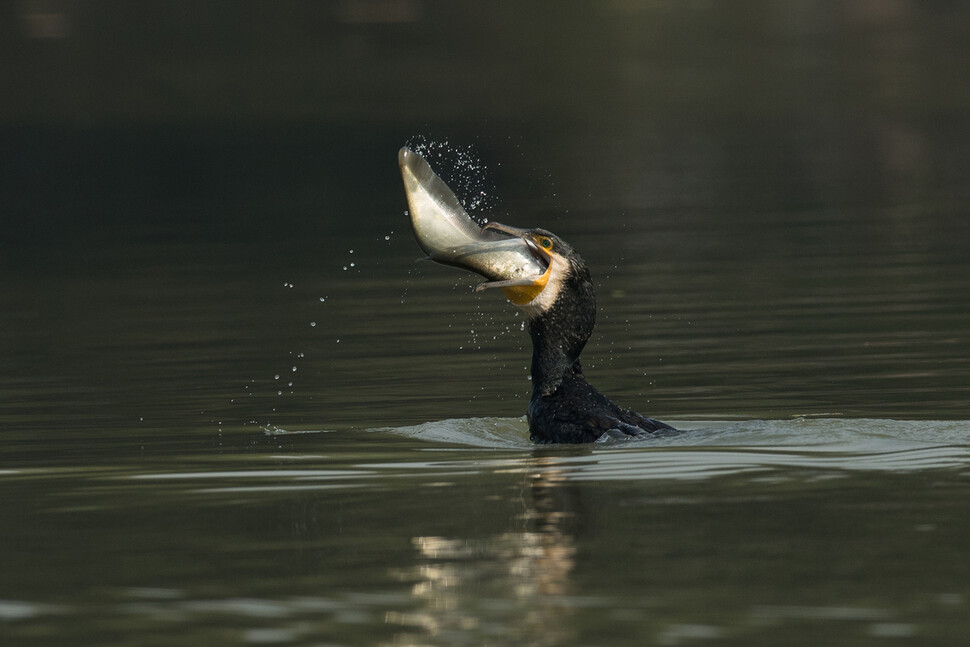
546	243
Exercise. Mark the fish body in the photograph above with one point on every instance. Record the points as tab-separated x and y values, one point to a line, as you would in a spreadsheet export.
446	233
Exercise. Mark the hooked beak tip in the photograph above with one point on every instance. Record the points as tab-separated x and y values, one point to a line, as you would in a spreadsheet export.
505	229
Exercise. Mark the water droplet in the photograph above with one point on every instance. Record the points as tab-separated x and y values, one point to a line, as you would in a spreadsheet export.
387	237
294	369
322	299
313	324
353	264
276	377
351	251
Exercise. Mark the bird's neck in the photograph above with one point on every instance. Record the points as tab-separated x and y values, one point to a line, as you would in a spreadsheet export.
559	335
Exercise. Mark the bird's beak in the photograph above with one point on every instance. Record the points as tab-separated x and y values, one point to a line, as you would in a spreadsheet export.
448	236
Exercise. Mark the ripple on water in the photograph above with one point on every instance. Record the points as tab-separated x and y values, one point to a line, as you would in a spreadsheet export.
440	451
709	449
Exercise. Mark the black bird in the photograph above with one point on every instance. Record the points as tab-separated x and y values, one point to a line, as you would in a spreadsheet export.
545	277
564	407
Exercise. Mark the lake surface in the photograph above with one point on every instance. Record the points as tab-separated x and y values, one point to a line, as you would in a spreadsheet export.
237	410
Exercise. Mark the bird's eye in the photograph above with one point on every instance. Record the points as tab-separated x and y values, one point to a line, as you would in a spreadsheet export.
546	243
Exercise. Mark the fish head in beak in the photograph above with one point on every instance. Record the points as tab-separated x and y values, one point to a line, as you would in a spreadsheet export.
543	245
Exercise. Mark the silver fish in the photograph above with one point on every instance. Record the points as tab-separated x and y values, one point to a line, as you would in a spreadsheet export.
448	236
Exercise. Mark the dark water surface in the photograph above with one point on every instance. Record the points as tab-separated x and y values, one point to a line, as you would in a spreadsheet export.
458	532
235	410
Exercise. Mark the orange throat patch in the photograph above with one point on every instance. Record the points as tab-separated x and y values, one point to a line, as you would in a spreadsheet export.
521	295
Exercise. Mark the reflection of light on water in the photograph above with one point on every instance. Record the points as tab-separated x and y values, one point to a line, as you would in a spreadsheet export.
20	610
705	450
676	634
694	463
881	622
513	586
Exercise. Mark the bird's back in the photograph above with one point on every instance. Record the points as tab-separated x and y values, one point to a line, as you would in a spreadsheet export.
577	413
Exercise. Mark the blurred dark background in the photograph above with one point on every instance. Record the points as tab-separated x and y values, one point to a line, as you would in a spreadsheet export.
801	162
113	104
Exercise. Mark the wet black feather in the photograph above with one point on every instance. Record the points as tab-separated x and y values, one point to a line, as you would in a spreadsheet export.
564	407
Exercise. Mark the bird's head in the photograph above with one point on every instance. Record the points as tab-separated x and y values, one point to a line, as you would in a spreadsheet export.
565	270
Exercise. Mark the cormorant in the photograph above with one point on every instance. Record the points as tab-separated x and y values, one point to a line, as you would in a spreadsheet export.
543	276
561	309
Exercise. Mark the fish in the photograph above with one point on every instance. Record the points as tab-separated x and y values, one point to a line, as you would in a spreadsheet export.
445	232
